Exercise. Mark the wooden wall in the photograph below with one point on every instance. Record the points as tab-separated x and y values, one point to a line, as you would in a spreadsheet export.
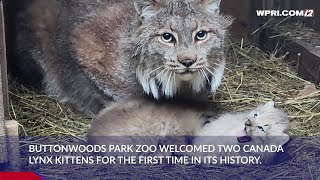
246	20
240	10
298	5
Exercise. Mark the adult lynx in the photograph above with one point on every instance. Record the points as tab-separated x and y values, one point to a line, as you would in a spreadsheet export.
94	52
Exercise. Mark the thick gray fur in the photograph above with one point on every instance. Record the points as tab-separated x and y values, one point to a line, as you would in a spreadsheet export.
94	52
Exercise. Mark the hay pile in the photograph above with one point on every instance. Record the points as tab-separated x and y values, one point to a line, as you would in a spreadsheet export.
252	77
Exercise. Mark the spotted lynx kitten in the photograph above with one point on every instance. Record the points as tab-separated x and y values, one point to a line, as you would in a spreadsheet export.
95	52
149	122
263	125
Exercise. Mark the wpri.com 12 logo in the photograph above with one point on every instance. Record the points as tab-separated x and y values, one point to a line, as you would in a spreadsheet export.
286	13
308	13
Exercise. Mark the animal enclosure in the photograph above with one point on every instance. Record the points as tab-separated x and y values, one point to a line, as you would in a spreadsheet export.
268	59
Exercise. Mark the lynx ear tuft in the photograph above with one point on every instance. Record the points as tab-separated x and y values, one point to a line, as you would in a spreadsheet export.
212	6
147	8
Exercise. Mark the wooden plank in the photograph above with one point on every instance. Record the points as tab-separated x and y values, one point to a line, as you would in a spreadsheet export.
299	5
305	58
246	20
3	64
240	10
255	21
315	21
3	91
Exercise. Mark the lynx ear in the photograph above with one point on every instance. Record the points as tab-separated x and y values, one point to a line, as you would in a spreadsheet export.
212	6
147	8
269	105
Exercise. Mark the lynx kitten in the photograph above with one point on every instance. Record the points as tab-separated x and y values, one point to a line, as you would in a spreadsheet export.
95	52
148	123
264	125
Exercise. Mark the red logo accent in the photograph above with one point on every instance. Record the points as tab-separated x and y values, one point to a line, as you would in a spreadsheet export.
308	13
19	176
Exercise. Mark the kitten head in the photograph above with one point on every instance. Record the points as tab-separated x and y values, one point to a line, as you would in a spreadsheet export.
268	125
179	42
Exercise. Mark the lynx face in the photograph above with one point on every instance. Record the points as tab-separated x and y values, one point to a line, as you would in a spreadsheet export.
268	124
180	42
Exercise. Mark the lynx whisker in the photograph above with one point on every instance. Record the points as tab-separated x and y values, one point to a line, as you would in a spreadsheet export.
178	68
162	78
210	64
216	64
148	74
215	70
210	72
204	74
159	74
166	88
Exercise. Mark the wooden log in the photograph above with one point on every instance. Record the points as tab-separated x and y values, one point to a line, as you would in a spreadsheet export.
9	135
3	91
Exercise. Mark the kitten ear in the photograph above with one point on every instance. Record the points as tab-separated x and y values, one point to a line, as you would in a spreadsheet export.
147	8
270	104
284	139
212	6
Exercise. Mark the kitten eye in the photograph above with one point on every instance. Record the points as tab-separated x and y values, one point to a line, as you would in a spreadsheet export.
201	35
206	122
261	128
255	115
167	38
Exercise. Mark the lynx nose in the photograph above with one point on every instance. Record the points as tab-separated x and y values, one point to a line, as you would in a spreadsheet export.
187	62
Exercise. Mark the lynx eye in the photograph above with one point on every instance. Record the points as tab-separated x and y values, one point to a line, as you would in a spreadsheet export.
201	35
261	128
167	38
